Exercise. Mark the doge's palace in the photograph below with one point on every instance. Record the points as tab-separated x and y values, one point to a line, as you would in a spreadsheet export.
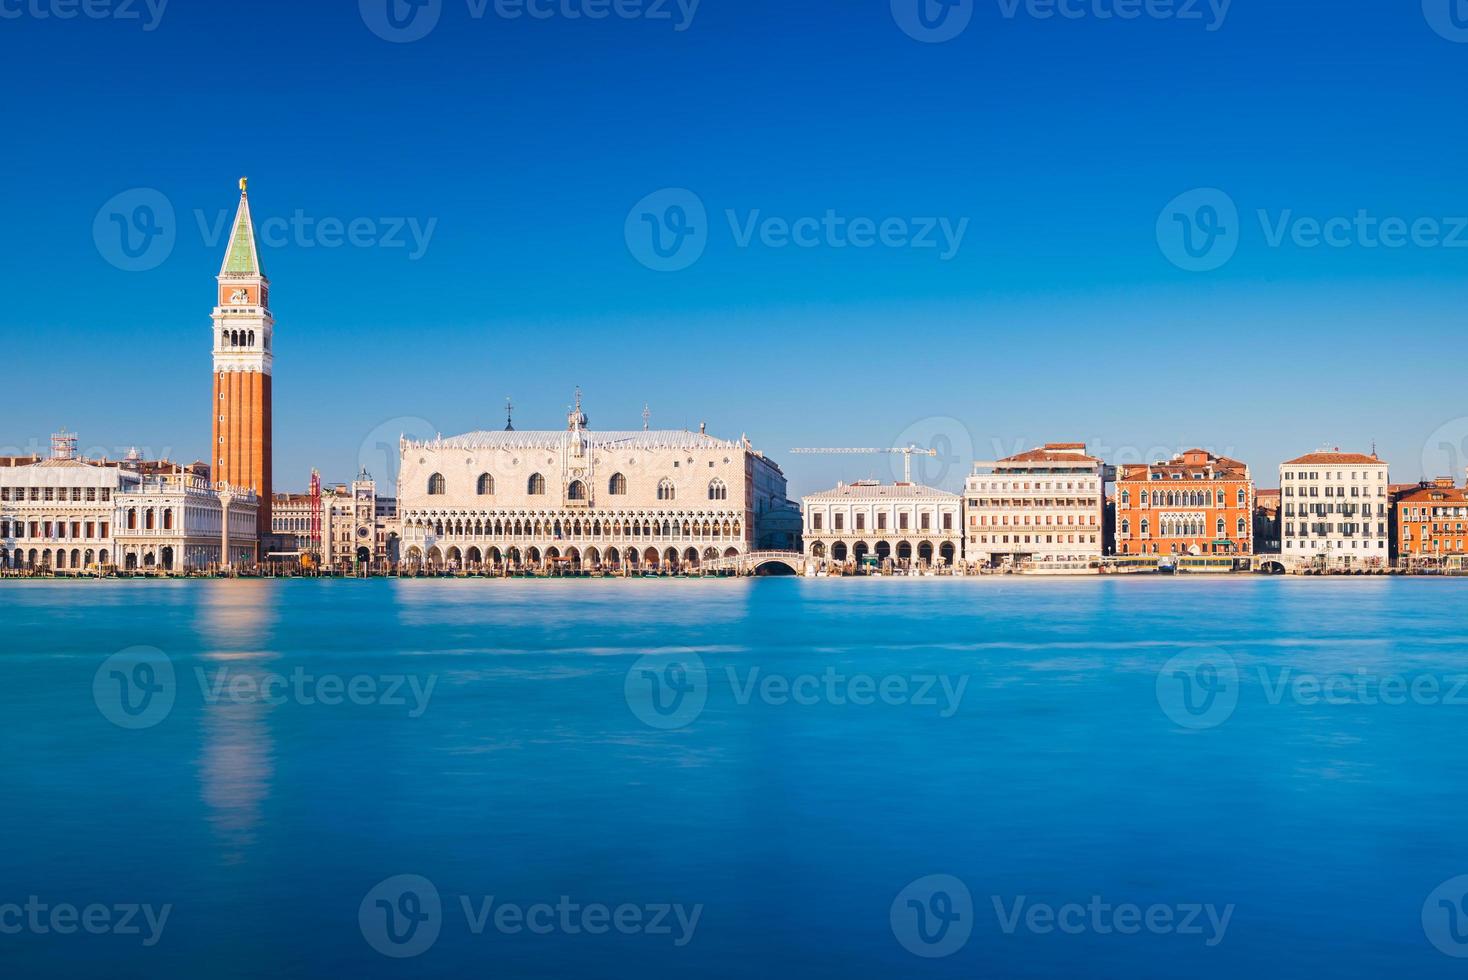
578	498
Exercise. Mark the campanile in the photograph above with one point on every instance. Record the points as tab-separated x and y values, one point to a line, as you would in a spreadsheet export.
243	334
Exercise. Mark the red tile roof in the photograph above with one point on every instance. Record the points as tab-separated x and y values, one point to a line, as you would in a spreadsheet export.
1054	452
1350	459
1427	495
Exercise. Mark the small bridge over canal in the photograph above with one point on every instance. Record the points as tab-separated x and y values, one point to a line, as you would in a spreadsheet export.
759	563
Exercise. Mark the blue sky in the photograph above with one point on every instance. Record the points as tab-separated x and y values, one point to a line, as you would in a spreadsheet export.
522	148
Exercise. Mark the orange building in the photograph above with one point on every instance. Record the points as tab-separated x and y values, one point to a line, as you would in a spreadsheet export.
243	363
1194	504
1432	521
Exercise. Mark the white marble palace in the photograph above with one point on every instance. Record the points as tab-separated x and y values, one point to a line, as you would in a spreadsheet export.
578	498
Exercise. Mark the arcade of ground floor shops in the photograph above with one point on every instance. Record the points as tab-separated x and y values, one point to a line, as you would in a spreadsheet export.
543	556
901	552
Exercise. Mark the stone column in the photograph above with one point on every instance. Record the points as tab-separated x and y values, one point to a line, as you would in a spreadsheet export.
226	496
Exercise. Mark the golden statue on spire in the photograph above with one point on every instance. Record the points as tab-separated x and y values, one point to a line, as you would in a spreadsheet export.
243	182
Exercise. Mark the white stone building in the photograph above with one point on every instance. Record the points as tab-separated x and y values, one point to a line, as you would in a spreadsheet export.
179	523
1335	510
67	514
58	513
906	523
578	498
1038	509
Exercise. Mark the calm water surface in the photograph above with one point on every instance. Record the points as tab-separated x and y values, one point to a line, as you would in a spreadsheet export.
507	745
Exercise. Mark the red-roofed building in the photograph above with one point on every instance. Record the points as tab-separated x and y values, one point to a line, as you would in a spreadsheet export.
1335	510
1039	509
1193	504
1432	522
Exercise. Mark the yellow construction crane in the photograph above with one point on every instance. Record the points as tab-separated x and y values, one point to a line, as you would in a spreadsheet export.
907	454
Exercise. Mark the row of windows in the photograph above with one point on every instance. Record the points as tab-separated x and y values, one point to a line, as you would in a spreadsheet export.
1349	510
1186	527
1052	520
1037	539
535	486
1326	529
74	494
1334	491
1182	498
54	530
925	521
1379	475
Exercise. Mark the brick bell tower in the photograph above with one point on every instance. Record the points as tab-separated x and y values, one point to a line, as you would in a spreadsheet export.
243	334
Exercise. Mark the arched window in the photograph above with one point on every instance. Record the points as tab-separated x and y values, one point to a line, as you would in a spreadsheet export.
485	487
1126	526
1145	525
536	486
1241	527
618	485
1126	498
665	489
717	490
1220	527
576	491
1241	498
436	485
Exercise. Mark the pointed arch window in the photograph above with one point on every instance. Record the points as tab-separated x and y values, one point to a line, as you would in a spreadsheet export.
665	489
536	485
437	486
576	491
485	486
617	486
717	490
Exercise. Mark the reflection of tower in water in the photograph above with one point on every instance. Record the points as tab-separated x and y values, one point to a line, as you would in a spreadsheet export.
236	761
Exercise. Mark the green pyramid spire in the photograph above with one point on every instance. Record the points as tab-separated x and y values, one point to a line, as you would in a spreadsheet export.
242	259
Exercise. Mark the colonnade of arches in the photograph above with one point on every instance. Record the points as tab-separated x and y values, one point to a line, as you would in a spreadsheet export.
536	558
58	559
718	527
903	552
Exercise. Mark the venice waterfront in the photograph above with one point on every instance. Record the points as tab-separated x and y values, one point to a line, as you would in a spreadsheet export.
734	778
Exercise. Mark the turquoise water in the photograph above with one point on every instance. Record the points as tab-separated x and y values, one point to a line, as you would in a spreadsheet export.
785	764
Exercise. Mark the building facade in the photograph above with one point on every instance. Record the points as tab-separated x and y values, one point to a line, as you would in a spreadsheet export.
1267	508
180	523
1335	510
1432	523
904	523
351	528
58	513
244	329
1045	507
1194	504
661	500
67	514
